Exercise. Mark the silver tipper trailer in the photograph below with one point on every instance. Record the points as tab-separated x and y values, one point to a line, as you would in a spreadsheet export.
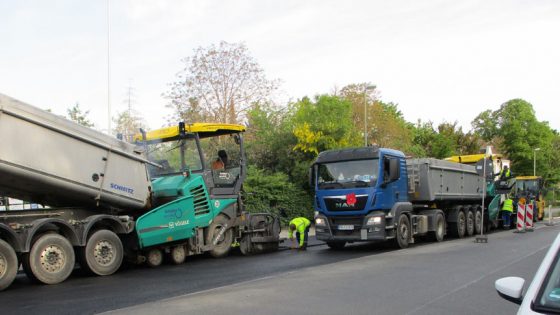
436	180
50	160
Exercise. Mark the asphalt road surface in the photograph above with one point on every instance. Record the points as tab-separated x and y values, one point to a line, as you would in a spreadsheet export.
452	277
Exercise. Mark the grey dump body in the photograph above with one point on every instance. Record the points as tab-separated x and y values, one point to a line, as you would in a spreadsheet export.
433	180
50	160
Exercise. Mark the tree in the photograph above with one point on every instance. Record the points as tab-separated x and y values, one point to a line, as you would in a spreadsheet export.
386	125
323	124
515	127
76	115
128	123
219	83
269	138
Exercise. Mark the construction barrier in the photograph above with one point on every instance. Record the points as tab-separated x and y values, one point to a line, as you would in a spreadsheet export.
520	218
529	217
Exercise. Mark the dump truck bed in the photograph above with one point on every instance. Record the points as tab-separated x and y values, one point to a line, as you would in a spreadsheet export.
50	160
433	179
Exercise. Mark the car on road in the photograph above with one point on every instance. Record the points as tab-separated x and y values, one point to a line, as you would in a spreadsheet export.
543	294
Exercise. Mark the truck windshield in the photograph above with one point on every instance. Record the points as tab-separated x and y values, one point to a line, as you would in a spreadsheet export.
347	174
168	155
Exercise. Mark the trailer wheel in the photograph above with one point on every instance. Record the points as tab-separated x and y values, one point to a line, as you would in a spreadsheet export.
154	257
439	233
50	260
336	245
178	254
470	223
220	235
403	231
8	265
103	253
477	222
458	228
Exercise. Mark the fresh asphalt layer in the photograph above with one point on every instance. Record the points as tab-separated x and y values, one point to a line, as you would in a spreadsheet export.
453	277
135	285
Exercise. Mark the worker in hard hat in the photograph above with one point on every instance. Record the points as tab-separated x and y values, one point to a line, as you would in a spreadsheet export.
301	227
507	211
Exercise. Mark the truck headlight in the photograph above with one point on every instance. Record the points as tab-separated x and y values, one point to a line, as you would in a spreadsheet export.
373	221
320	222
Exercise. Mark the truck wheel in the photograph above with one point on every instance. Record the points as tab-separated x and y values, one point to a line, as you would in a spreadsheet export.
154	258
8	265
458	228
178	254
470	223
336	245
403	231
103	253
220	235
439	233
50	260
477	222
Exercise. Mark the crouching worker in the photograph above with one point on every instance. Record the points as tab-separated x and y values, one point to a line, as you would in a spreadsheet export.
301	226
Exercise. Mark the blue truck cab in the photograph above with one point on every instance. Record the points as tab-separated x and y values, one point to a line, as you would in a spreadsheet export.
355	190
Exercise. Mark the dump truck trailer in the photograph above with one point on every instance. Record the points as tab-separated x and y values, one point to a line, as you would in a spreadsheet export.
107	200
376	194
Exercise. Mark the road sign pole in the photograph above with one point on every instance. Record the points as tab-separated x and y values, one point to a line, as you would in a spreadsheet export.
483	238
549	223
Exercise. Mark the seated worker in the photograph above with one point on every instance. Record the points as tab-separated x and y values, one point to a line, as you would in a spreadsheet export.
301	226
505	174
221	161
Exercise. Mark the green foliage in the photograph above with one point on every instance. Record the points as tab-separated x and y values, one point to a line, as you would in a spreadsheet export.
518	132
76	115
269	192
269	138
323	125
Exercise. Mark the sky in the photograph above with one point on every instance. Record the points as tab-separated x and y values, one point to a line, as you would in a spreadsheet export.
440	61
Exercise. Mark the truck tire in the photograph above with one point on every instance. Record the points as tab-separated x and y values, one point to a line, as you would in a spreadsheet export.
178	254
50	260
477	222
103	253
439	233
336	245
403	231
154	257
458	228
8	265
222	238
469	223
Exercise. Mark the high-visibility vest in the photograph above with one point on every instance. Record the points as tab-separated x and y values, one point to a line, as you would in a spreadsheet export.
508	205
505	174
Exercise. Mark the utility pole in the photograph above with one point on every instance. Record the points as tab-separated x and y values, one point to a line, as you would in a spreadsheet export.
367	88
108	73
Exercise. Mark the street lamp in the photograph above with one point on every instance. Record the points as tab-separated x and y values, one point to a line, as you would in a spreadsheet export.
367	88
535	160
